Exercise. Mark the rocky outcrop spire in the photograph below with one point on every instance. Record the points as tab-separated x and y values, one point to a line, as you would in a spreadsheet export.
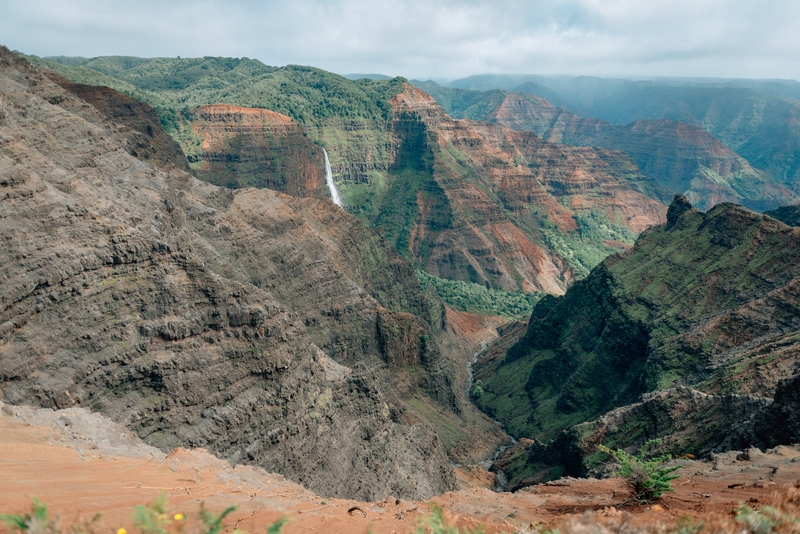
680	205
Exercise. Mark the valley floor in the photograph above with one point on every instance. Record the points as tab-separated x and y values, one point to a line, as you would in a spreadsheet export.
81	463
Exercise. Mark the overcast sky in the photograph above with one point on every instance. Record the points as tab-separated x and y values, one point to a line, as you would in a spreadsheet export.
423	39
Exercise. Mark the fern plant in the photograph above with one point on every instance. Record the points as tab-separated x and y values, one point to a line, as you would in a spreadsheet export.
648	479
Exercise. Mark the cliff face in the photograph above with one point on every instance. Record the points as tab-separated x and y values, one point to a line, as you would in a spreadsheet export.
484	205
684	158
267	328
709	300
479	202
145	138
244	147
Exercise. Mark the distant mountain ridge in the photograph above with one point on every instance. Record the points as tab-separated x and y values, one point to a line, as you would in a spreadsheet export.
684	158
368	76
758	119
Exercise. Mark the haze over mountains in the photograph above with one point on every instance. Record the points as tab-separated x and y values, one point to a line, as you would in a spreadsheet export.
749	157
172	259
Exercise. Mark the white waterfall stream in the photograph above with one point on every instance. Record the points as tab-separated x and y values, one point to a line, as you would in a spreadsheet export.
329	180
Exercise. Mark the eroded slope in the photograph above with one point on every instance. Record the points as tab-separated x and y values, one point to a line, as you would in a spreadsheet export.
709	300
478	202
683	157
190	313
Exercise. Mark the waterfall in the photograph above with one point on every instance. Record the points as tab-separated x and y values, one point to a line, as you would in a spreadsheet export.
329	180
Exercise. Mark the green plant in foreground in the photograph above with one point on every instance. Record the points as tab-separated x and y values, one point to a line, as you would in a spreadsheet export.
435	523
212	522
153	518
687	525
648	479
35	522
766	520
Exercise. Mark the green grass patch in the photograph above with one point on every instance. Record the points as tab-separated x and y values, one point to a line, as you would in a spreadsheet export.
475	298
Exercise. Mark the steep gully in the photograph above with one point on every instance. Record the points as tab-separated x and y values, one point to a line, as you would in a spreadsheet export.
501	480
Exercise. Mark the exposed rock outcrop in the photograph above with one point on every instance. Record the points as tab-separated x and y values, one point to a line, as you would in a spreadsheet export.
780	423
145	138
479	202
246	147
242	321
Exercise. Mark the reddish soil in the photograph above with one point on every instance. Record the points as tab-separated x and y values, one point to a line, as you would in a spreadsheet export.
78	477
475	329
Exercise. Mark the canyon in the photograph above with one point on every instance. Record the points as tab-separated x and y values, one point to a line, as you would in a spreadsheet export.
462	201
186	271
683	157
757	119
270	329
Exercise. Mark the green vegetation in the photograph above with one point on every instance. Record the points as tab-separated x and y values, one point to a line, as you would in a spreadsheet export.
435	523
622	331
154	518
475	298
786	214
35	522
463	103
647	478
172	85
767	520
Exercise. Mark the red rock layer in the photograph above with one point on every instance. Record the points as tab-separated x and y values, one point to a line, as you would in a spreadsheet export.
244	147
680	156
502	185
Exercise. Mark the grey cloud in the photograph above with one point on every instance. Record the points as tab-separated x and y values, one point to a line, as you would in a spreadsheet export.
429	38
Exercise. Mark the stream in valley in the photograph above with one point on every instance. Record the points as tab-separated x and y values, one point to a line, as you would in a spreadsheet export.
500	477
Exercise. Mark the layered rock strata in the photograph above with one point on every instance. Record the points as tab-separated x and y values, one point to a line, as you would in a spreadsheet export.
479	202
246	147
684	158
197	315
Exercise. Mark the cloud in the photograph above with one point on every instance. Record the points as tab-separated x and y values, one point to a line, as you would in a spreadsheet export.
430	38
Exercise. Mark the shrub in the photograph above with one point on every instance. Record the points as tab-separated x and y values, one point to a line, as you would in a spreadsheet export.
475	298
648	479
766	520
35	522
435	523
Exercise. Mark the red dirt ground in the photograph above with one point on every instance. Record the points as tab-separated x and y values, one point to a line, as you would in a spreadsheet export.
47	455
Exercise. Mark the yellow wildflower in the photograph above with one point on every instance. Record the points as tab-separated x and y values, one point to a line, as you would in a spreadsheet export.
122	531
178	517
